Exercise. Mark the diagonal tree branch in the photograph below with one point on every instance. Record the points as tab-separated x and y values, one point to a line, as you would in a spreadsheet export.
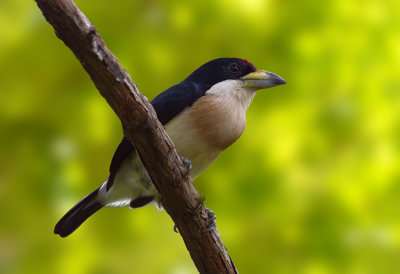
179	196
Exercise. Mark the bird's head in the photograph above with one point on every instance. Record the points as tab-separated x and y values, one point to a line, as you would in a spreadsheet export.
230	81
227	87
219	70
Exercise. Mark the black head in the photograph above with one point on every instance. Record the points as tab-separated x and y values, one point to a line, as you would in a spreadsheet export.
219	70
173	100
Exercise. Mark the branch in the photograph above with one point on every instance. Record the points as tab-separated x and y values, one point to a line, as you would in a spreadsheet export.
178	194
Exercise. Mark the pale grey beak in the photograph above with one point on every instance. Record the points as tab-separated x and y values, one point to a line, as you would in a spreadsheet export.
261	79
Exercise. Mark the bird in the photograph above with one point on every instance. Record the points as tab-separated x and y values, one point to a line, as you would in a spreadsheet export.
203	115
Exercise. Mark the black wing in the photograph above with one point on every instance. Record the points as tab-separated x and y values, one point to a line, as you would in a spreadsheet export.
167	105
124	149
175	99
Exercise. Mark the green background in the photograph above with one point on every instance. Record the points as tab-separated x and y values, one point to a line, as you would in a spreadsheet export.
312	186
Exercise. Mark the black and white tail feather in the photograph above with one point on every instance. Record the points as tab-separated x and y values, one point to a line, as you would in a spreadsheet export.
78	214
120	189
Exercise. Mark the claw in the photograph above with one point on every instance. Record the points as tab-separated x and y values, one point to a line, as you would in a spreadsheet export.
176	229
188	165
213	218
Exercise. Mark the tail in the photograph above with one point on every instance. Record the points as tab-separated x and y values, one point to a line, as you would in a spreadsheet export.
78	214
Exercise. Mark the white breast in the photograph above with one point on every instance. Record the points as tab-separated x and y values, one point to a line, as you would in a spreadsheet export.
214	122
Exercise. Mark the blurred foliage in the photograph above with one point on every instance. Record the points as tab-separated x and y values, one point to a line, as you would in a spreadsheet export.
312	186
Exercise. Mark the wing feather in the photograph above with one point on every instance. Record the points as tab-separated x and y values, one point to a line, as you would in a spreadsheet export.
167	105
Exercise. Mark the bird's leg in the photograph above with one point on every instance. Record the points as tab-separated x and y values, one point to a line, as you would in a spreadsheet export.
188	165
213	218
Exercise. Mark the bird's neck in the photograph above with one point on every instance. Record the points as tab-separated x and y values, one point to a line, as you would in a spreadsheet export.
230	93
220	115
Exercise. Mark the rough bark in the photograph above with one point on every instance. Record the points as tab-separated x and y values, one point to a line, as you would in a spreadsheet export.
179	196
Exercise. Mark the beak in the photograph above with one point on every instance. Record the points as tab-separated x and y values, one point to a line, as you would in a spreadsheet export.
261	79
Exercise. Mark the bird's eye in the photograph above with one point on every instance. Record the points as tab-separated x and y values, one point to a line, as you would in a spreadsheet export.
234	68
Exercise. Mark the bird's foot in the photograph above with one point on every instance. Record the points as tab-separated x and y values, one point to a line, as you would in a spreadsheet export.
213	218
188	165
